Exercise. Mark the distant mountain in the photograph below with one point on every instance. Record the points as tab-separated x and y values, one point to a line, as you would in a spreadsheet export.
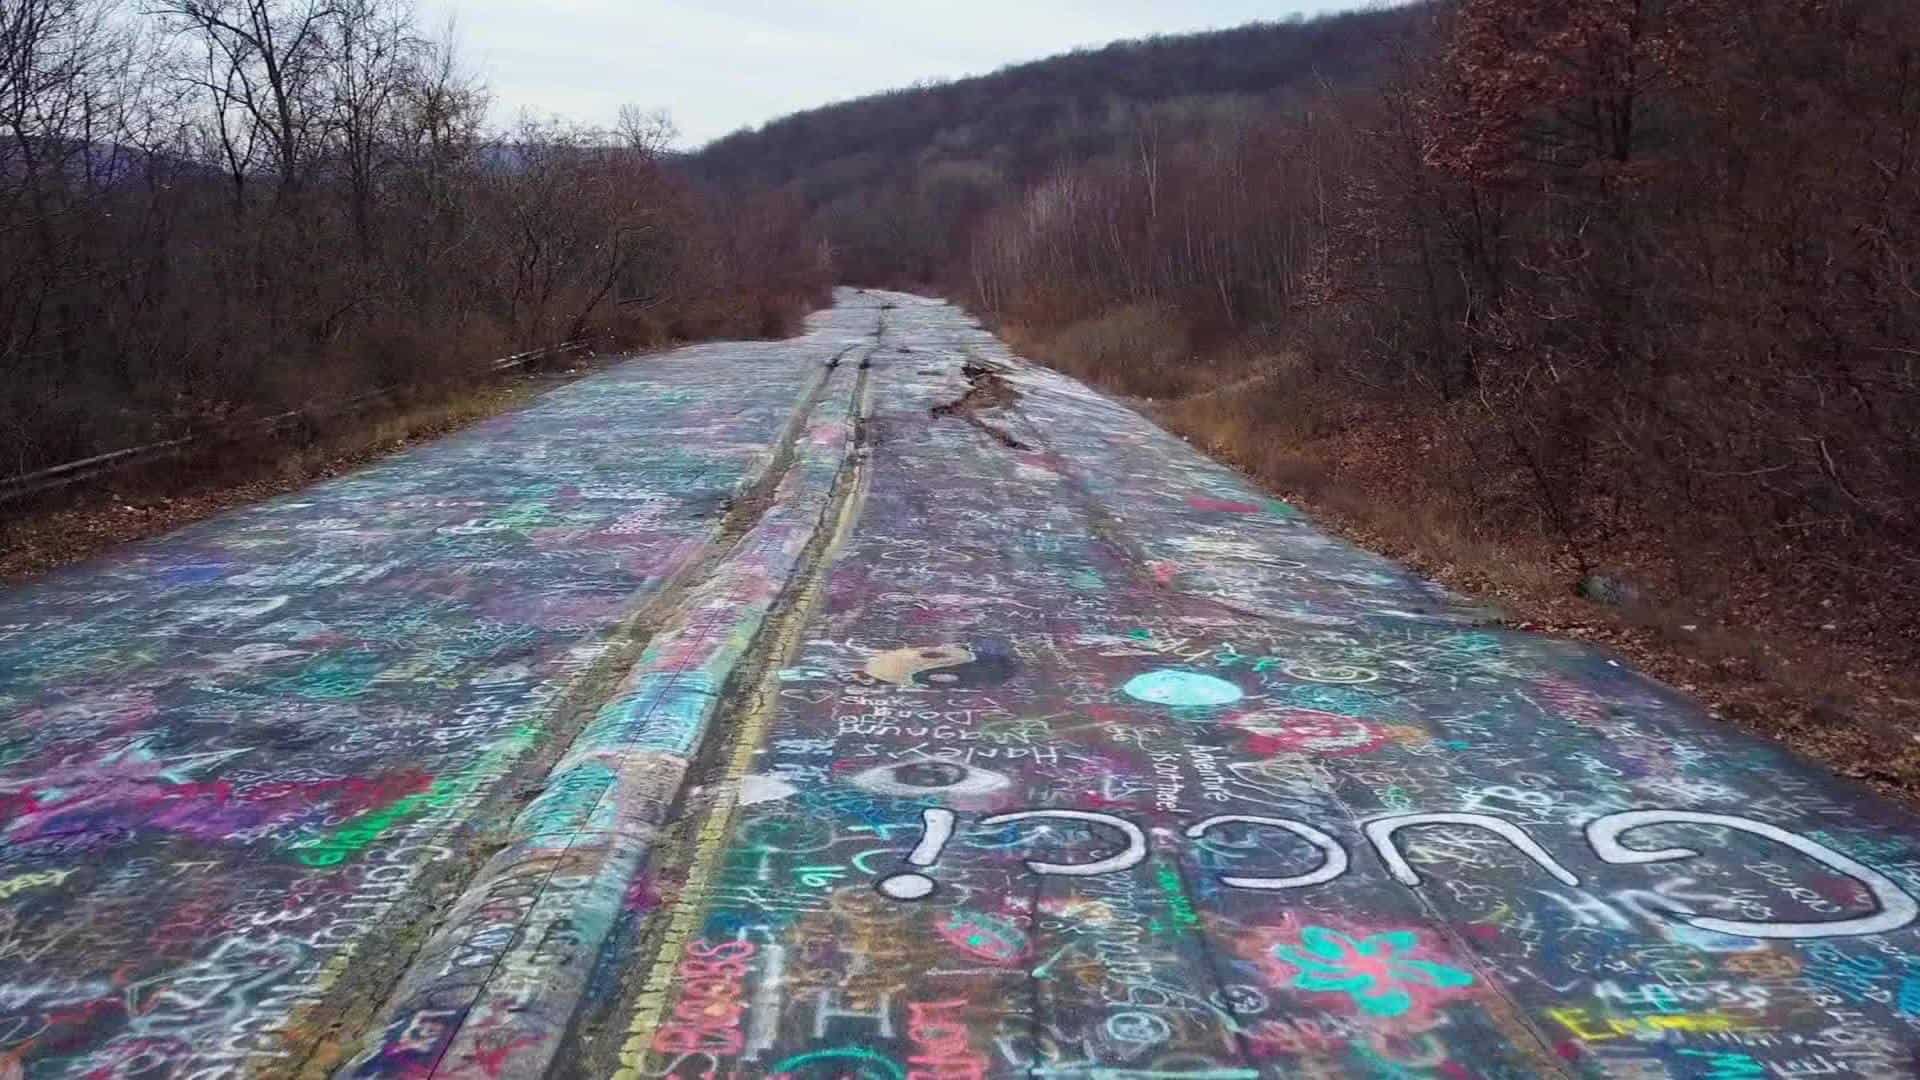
895	175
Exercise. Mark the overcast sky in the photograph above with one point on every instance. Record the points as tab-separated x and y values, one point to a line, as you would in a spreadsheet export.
717	65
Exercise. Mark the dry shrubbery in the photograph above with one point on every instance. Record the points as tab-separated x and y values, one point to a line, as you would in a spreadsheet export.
216	210
1148	342
1577	287
1635	281
1674	281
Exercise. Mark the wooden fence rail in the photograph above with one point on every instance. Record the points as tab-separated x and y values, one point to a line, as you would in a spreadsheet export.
73	472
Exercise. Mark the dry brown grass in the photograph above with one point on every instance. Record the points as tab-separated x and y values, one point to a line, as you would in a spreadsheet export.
1142	348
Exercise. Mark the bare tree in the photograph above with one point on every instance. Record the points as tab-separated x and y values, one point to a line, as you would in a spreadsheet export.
272	55
438	117
650	132
147	291
56	66
375	50
227	132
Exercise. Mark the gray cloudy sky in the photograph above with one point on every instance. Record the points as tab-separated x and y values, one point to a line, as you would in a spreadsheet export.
722	64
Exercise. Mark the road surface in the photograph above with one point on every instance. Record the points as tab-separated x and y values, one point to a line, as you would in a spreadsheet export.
875	704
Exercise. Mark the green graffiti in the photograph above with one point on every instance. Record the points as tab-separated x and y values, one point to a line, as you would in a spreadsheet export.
344	676
365	829
1477	642
354	836
1727	1065
522	515
862	1063
1176	897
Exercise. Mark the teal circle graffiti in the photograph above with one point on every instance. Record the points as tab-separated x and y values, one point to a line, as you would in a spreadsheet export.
860	1063
1182	688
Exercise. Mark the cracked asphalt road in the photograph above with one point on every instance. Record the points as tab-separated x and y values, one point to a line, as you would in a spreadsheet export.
245	763
1062	752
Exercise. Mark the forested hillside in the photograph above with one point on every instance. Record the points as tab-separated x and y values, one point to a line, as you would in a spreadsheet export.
898	178
1591	291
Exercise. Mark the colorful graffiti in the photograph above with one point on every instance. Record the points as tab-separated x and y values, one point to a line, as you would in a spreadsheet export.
243	766
1209	794
1381	973
1071	755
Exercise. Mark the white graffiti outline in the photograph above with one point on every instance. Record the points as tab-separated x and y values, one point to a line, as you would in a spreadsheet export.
1333	864
1897	907
936	829
1135	853
1380	830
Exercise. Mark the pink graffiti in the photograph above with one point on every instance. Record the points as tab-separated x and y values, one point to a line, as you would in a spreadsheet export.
1309	731
941	1050
135	789
1223	506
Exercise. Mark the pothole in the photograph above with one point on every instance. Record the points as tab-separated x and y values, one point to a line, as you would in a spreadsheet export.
986	389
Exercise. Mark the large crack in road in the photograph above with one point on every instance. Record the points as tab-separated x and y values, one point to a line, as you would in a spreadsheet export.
736	713
987	389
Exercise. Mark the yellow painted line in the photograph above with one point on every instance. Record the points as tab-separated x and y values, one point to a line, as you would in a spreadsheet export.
652	1002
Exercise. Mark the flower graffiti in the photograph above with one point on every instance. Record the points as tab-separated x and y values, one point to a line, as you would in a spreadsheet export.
1382	973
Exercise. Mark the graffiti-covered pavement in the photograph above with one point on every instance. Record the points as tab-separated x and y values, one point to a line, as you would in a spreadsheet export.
878	705
243	765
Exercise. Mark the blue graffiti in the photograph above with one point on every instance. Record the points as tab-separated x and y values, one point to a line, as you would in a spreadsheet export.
1182	688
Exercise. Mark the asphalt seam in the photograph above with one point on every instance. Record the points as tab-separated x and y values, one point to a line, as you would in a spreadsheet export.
780	640
341	1007
757	501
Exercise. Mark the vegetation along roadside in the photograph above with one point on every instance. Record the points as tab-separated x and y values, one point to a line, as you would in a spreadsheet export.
1607	310
214	212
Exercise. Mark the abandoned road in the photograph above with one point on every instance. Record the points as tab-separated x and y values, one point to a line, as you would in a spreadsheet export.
877	704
